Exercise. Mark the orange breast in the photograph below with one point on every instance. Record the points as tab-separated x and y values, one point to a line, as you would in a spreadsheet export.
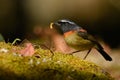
68	33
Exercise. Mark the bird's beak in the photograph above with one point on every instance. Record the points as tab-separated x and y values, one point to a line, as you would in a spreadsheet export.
51	25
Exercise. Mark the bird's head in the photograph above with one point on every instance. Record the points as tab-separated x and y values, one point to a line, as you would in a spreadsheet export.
64	25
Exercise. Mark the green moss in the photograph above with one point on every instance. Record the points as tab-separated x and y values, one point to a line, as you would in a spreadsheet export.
42	66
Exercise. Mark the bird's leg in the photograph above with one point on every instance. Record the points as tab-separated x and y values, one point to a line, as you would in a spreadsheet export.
49	50
74	52
87	54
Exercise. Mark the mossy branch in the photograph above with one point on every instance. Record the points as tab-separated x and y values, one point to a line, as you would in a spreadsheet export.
59	67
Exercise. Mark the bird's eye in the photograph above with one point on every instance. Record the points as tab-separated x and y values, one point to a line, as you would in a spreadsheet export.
61	22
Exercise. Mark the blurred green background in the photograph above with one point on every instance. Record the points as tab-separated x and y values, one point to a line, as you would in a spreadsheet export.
99	17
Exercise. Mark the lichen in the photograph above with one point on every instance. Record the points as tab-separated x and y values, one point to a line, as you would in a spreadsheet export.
43	66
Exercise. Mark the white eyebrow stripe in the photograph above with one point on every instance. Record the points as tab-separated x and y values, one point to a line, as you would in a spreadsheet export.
67	21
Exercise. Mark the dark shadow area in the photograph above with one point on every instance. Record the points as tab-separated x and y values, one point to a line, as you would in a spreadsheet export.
6	74
12	20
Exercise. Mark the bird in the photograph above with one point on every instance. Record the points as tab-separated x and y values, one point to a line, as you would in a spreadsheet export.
78	38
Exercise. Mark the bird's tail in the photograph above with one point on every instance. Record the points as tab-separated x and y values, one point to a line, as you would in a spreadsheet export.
102	52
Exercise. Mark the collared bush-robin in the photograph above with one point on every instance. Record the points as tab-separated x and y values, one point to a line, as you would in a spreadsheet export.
78	38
